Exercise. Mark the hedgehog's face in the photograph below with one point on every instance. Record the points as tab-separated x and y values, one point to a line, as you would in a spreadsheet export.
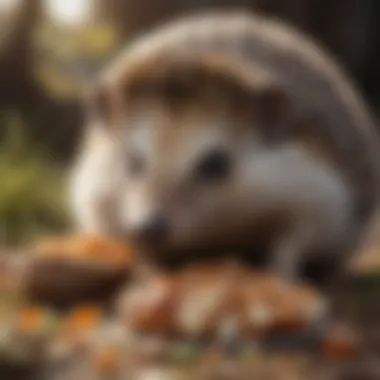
185	145
185	180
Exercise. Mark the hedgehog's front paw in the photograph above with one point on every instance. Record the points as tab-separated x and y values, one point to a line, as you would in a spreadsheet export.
65	271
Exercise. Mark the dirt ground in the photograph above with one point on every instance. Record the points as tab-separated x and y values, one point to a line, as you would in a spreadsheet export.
356	302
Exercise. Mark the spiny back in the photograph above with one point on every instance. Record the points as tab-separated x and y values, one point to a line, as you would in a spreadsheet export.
317	86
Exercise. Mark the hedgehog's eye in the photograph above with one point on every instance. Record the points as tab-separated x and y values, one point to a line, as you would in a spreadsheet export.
215	165
135	165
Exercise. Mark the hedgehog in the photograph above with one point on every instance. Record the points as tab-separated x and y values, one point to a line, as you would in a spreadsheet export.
229	133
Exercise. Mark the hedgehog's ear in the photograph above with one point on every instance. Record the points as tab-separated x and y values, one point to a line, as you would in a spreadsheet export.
272	108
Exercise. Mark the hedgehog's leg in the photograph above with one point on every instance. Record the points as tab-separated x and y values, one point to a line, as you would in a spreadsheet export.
289	252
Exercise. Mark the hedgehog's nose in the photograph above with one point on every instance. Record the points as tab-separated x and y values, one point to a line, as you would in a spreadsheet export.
153	230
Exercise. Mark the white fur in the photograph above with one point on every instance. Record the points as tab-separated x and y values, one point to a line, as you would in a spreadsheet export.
311	193
136	209
310	190
94	185
286	179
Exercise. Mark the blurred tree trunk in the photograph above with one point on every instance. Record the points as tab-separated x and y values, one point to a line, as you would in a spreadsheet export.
16	55
344	26
134	17
52	124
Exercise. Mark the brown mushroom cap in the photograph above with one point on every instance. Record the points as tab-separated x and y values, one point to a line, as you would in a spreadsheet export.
63	271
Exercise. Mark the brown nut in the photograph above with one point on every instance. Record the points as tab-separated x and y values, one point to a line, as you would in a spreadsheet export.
148	307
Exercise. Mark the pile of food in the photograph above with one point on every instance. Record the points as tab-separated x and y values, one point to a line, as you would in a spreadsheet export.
72	310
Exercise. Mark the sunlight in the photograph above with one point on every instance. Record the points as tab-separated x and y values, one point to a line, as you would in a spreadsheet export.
72	12
9	5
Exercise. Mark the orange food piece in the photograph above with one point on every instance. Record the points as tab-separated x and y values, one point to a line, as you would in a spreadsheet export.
30	320
91	247
80	321
106	362
340	343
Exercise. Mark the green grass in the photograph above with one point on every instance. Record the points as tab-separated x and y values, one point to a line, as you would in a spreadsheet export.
32	188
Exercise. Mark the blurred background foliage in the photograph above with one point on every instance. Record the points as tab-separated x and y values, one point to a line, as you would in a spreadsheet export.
32	194
49	49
